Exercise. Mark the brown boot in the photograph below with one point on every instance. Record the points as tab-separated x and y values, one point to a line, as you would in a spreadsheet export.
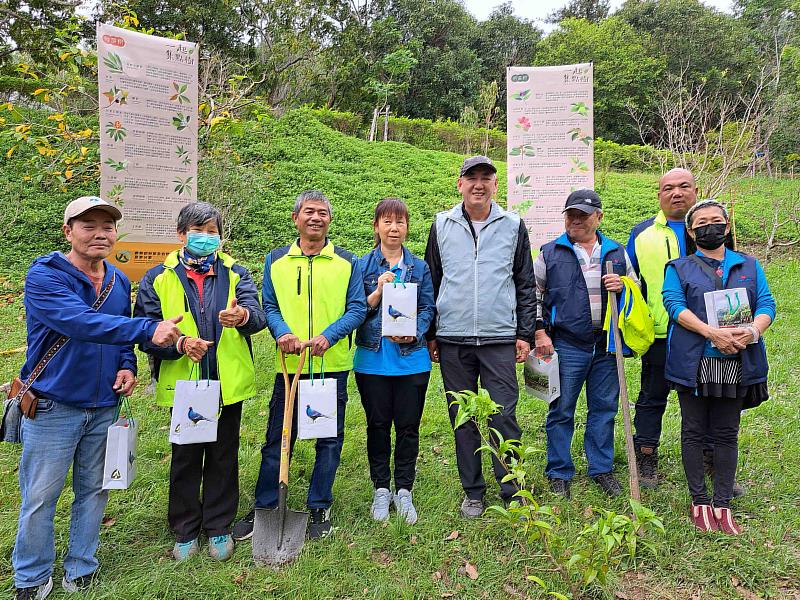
647	465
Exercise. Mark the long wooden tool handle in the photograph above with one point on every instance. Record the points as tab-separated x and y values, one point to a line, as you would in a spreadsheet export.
288	412
630	452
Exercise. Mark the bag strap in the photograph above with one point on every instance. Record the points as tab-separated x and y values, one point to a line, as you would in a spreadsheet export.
708	270
61	342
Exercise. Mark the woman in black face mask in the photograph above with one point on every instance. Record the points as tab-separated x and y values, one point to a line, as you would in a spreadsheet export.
717	369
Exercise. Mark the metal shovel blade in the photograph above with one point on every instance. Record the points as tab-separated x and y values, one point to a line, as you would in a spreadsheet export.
268	548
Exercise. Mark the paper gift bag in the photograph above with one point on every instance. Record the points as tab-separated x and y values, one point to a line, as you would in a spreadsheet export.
195	411
399	309
316	408
120	465
541	377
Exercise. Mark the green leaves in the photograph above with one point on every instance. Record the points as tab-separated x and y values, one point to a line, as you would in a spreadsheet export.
183	155
117	165
523	150
180	93
581	108
578	166
183	186
113	62
181	121
522	180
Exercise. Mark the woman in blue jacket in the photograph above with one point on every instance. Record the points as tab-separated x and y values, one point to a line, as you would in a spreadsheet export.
716	371
392	372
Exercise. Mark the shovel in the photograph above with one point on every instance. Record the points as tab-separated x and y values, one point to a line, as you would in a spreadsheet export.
279	534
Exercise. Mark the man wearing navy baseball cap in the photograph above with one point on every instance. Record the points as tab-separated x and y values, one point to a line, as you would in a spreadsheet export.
480	261
571	293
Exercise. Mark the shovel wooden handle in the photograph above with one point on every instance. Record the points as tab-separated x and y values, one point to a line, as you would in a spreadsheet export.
290	392
633	472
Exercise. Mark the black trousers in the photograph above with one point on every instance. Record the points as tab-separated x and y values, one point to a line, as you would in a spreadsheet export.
718	419
652	400
495	365
215	465
397	400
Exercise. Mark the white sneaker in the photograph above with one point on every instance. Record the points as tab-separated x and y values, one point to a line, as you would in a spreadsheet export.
405	507
380	504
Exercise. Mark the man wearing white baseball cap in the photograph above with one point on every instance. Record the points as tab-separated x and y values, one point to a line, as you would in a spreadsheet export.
79	361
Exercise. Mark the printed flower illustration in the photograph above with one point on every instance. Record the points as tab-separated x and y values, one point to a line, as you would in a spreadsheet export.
116	131
523	123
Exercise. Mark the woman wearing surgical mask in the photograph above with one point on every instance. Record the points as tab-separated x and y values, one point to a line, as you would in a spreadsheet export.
220	306
716	371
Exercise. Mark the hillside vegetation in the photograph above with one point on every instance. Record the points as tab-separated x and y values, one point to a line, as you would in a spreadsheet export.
254	169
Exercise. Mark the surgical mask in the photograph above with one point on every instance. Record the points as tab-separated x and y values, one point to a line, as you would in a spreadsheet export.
711	236
202	244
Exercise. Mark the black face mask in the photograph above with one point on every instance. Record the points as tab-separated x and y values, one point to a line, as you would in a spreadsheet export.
711	236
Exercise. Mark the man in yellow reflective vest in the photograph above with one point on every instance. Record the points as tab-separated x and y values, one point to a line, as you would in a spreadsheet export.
312	291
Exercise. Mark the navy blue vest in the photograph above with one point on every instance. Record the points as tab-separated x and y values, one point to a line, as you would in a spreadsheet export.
566	300
685	348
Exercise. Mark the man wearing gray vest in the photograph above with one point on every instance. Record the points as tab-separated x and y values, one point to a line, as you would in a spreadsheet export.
480	261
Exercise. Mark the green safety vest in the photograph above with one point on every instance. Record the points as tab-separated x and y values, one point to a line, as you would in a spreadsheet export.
655	247
312	293
234	360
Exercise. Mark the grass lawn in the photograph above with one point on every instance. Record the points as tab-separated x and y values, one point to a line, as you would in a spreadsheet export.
362	559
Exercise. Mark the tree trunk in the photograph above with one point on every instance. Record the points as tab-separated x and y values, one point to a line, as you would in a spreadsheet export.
386	124
374	125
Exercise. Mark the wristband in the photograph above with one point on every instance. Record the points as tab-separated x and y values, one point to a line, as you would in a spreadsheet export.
755	331
180	344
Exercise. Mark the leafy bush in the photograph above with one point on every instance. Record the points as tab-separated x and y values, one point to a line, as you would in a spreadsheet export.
254	169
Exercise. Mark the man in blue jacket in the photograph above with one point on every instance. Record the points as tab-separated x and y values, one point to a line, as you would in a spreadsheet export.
77	393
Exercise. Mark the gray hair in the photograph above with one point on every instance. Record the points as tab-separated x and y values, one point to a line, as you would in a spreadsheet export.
198	213
705	204
311	196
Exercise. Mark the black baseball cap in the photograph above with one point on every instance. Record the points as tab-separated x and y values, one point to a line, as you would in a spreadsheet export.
585	200
474	161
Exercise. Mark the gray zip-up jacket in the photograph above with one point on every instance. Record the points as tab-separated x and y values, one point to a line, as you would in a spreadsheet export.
483	283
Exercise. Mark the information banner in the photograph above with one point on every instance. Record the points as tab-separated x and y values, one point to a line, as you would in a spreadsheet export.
148	139
550	143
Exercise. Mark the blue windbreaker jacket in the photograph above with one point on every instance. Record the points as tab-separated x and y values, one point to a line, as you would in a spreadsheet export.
58	301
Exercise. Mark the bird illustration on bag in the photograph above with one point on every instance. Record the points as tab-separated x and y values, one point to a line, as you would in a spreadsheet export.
196	417
314	415
396	314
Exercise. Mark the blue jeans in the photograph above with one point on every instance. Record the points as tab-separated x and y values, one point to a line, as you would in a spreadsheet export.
328	450
598	370
59	437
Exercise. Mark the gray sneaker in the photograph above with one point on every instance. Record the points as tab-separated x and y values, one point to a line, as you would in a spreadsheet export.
471	509
380	504
405	507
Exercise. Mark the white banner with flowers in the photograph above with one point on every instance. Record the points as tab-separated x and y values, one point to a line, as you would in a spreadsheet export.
550	143
148	137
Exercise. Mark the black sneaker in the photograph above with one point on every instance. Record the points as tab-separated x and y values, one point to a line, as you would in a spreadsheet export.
320	525
34	593
560	487
243	528
609	484
79	585
647	465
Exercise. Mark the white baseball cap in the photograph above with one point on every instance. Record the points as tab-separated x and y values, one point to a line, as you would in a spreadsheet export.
86	203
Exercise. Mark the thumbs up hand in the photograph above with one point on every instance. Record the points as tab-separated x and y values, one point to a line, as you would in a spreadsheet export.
234	315
167	332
